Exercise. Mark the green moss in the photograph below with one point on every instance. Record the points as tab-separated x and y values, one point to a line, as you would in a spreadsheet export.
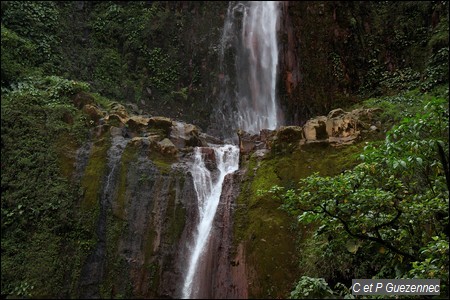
128	156
66	148
162	162
264	230
268	232
176	215
116	266
93	175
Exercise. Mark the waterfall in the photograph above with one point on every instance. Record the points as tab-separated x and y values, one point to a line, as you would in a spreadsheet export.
248	68
248	73
208	188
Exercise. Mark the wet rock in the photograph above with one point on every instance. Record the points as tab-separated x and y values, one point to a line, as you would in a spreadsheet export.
161	123
115	131
210	158
185	135
137	124
225	274
167	147
247	141
207	139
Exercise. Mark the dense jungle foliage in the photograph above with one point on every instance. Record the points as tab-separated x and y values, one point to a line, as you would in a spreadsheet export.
386	217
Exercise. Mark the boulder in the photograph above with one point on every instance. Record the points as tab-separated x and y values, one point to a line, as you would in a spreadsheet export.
137	123
167	147
119	110
185	135
336	113
316	129
141	141
115	120
289	134
342	125
161	123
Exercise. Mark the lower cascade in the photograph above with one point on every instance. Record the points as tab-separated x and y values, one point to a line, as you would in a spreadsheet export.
208	186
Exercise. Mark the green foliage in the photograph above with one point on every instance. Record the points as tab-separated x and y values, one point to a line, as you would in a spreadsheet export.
38	22
403	105
17	58
165	72
437	70
435	262
312	288
394	202
402	47
41	235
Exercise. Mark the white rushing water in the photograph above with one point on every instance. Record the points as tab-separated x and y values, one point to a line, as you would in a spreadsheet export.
208	191
249	96
248	67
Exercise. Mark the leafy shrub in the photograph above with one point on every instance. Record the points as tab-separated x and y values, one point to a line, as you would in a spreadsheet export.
312	288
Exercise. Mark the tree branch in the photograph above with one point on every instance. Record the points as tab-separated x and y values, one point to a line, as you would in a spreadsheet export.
370	238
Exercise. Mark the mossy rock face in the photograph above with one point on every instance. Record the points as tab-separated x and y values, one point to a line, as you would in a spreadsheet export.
287	138
66	147
137	123
93	175
265	231
163	123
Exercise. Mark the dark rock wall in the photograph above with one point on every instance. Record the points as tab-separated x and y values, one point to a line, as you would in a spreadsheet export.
334	53
146	213
221	277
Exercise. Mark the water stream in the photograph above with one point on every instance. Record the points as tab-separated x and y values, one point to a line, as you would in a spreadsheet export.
248	67
208	188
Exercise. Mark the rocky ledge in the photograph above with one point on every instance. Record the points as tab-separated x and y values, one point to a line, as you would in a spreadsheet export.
162	134
337	128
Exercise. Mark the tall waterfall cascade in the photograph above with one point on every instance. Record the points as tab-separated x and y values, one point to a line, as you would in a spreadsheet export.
248	67
208	191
